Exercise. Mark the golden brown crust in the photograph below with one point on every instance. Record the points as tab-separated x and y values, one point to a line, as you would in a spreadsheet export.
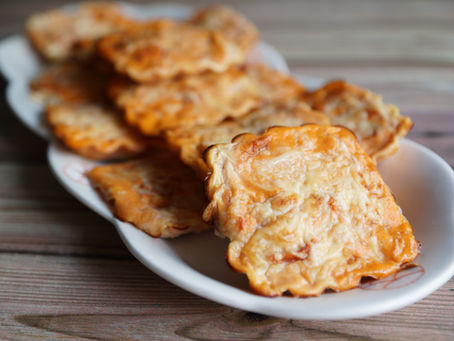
273	85
306	210
190	143
58	35
204	99
95	131
163	49
228	21
378	126
69	82
157	194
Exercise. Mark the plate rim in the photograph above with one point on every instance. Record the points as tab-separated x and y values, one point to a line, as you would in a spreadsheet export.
238	298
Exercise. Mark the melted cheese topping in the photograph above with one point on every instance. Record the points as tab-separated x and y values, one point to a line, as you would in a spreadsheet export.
378	126
190	143
306	210
94	131
152	194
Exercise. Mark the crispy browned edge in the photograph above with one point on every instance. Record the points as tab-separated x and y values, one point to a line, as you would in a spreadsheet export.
90	151
209	218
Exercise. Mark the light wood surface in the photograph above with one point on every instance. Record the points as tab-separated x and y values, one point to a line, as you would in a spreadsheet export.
64	273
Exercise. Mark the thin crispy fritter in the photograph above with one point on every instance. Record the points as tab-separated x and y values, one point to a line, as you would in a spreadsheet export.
378	126
190	143
94	130
59	35
273	85
306	210
200	99
230	22
204	99
68	82
157	194
164	48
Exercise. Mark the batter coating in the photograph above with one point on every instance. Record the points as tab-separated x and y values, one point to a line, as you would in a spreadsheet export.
93	130
378	126
164	48
152	193
190	143
204	99
306	210
59	35
68	82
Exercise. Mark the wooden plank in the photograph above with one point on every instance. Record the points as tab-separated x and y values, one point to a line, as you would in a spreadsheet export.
327	31
31	186
443	146
38	215
64	273
432	125
16	141
435	131
414	89
71	232
121	299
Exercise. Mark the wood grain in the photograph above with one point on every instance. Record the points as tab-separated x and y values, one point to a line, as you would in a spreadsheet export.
65	274
121	299
414	89
326	31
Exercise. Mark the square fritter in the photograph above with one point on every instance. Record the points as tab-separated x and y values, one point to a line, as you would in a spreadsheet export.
305	210
157	194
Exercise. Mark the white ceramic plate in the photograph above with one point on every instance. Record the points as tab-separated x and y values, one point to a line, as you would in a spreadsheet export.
421	181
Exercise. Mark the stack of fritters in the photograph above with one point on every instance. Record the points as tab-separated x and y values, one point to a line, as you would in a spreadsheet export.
304	207
190	143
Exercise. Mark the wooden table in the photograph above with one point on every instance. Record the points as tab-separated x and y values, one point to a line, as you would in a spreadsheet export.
65	274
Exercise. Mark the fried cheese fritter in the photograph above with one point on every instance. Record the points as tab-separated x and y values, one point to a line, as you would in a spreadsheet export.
230	22
305	210
164	48
190	143
273	85
95	131
378	126
68	82
204	99
59	35
157	194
